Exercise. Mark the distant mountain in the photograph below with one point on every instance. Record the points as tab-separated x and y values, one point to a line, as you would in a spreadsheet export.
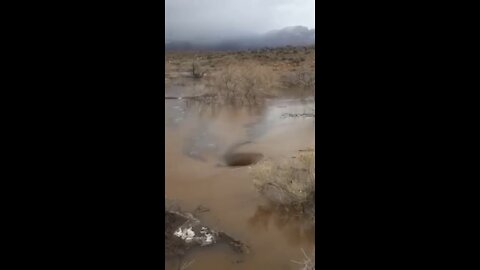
179	45
293	36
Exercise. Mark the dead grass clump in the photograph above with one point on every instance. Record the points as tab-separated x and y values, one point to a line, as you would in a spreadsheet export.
289	183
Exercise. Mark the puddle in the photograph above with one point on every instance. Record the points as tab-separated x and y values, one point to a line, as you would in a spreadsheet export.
208	151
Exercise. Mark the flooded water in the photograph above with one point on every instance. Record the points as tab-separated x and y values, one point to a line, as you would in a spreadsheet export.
196	140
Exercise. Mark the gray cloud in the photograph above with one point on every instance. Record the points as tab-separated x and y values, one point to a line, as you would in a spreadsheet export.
217	19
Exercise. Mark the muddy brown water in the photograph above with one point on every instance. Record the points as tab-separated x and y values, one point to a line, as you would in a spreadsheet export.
196	140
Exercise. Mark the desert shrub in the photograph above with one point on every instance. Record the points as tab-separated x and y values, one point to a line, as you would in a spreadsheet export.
287	183
197	71
256	79
306	78
247	81
303	77
227	82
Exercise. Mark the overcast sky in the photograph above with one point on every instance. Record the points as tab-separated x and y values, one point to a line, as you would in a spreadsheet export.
198	19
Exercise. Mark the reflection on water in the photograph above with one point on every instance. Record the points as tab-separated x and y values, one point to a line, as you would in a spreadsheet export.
298	229
197	136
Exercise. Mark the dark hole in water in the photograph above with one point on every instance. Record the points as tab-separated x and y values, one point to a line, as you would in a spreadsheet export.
242	159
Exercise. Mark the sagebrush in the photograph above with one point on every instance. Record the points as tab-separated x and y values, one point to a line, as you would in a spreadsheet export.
290	182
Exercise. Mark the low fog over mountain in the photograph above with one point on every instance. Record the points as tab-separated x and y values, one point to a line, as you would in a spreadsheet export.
233	24
293	36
